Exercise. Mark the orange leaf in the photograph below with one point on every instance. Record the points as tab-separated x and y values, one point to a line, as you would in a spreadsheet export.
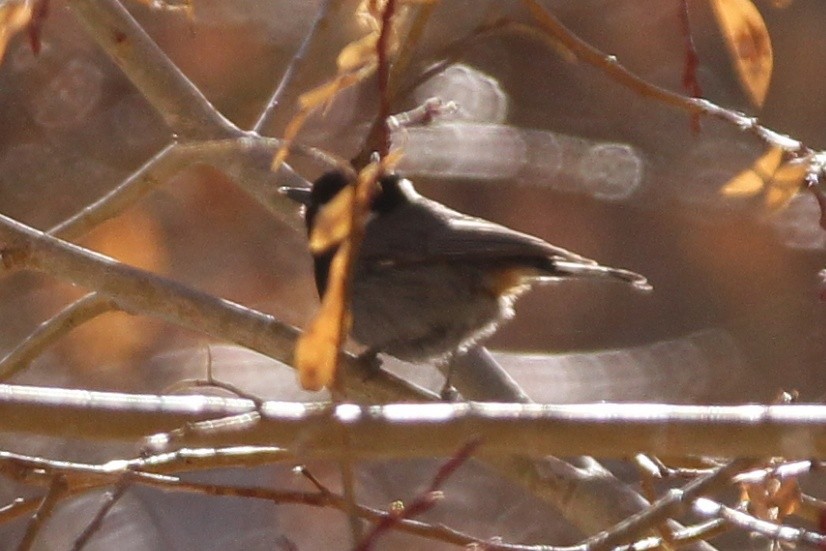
325	93
316	353
787	180
777	179
752	180
333	222
322	94
749	45
14	16
358	53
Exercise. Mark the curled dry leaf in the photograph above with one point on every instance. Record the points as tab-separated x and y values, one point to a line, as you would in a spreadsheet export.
777	179
356	61
14	17
309	101
333	222
749	45
788	180
316	353
772	499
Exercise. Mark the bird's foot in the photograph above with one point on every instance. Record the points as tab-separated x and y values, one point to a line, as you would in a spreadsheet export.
370	359
450	394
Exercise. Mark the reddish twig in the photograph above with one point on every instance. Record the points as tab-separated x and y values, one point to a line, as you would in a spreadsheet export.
40	11
692	61
424	501
383	74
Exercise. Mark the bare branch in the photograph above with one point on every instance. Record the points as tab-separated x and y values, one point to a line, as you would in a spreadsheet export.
77	313
129	192
424	501
420	430
83	477
613	69
267	114
672	505
183	107
138	291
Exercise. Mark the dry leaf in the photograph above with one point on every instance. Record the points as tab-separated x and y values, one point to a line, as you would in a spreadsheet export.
749	45
358	53
14	16
316	353
356	61
776	179
787	181
333	222
772	499
752	180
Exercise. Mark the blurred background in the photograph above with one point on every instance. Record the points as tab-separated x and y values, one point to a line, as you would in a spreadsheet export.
539	143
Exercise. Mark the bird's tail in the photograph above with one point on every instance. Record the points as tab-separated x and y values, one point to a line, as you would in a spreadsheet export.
581	269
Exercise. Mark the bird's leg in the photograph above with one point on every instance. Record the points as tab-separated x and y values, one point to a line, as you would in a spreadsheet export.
370	359
449	392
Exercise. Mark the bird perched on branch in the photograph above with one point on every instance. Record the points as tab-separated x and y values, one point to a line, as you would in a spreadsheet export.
429	281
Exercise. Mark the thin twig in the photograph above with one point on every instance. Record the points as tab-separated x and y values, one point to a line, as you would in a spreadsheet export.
745	521
111	498
692	59
81	477
48	332
424	501
670	506
161	166
609	65
56	490
383	74
348	485
267	114
212	382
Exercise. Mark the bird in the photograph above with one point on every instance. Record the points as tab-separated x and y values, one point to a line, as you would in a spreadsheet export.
429	281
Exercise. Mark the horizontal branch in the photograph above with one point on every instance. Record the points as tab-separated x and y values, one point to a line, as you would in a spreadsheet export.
421	430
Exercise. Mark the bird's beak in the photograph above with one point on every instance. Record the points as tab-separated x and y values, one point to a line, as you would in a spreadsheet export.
300	195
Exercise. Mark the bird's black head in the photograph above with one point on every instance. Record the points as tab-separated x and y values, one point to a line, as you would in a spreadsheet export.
390	193
388	196
326	187
314	198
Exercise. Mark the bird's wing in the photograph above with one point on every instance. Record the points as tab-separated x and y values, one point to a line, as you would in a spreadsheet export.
426	231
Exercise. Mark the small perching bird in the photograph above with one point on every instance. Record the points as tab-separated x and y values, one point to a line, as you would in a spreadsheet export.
429	281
